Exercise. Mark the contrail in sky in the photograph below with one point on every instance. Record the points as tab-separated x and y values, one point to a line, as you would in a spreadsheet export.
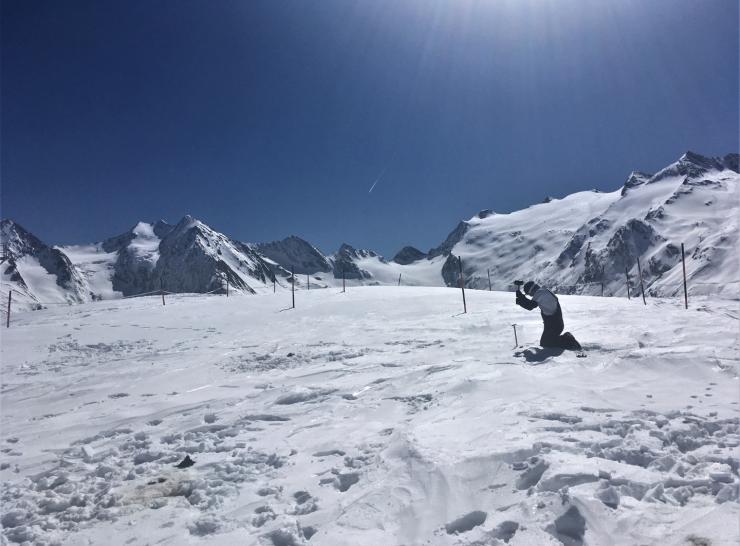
376	181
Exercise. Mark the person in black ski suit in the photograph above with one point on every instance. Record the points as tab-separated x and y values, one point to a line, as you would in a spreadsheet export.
552	316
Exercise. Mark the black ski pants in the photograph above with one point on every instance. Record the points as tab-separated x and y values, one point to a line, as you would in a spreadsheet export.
552	335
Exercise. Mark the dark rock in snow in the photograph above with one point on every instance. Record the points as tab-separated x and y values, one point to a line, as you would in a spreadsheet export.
162	229
187	462
636	178
732	162
188	257
452	239
408	255
629	241
21	242
693	165
295	252
451	271
569	528
345	262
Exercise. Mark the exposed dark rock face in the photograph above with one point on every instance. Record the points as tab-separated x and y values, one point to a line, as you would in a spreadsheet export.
452	239
295	252
344	262
188	257
732	162
575	244
116	243
592	228
162	229
635	179
193	258
451	271
23	243
408	255
693	165
630	240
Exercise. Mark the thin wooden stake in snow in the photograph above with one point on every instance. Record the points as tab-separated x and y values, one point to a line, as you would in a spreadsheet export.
344	288
161	289
10	296
399	279
627	274
308	282
516	341
642	286
292	285
602	289
489	280
685	291
462	284
273	283
227	287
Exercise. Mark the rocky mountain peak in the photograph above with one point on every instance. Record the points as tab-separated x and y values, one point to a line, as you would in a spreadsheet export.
408	255
691	165
294	252
731	161
698	159
162	228
184	225
636	178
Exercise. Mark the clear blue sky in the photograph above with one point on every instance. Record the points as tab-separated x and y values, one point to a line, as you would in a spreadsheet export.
267	118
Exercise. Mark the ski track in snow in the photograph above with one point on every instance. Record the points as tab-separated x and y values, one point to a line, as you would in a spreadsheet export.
379	416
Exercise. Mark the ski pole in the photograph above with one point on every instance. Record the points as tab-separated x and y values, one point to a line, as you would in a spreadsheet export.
462	284
516	341
685	291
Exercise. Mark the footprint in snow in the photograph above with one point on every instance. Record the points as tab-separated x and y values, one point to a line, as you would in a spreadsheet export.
466	523
305	503
262	515
329	452
342	481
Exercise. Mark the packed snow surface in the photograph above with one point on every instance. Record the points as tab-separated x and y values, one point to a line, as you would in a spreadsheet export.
382	415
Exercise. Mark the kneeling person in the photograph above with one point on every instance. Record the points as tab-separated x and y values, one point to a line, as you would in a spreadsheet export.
552	316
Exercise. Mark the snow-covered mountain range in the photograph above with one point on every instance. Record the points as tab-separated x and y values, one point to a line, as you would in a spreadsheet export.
592	237
575	244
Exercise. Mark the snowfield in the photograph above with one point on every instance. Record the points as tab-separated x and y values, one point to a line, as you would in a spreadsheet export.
377	416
